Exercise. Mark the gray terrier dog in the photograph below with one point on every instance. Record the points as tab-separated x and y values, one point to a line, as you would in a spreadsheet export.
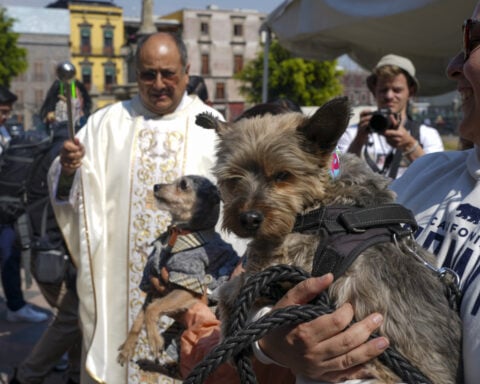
189	261
270	170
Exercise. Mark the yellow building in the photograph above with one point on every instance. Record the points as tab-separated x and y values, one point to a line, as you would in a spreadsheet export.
96	38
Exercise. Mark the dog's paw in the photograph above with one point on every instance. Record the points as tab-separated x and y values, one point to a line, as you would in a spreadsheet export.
126	352
156	343
123	356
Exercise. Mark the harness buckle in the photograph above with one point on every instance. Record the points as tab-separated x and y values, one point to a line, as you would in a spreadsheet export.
449	277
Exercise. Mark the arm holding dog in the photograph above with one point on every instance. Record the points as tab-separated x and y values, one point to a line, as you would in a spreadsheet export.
334	353
325	348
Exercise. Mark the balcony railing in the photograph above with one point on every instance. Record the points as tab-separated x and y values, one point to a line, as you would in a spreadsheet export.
96	51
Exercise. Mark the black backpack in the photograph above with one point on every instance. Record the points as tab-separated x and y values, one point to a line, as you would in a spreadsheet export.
17	166
50	260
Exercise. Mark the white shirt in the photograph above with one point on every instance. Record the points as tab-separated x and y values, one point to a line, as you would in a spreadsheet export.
378	149
443	191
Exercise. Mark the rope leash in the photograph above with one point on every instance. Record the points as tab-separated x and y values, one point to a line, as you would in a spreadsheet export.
237	345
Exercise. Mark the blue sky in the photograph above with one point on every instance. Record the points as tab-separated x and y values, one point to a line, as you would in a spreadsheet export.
163	7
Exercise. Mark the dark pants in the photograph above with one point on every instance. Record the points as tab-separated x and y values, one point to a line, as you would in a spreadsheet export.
10	264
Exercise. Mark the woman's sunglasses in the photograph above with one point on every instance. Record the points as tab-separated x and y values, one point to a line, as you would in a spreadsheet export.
469	42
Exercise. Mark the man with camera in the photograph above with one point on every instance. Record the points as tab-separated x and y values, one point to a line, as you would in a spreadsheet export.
388	139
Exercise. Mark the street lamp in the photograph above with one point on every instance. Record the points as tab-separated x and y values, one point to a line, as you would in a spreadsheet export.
265	38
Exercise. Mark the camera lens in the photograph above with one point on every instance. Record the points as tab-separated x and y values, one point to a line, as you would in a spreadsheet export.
379	122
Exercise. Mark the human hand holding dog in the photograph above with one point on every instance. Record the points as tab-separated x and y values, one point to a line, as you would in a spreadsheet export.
71	156
324	348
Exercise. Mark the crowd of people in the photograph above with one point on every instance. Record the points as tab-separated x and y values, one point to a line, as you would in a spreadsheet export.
101	186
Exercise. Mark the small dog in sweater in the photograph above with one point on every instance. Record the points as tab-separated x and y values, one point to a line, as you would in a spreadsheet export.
188	261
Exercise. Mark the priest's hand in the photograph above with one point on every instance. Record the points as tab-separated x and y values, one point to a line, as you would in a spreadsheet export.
71	156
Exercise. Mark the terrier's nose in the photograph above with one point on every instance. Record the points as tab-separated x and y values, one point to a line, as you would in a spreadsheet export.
251	219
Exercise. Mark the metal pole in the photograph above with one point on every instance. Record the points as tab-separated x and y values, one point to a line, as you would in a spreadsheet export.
266	37
66	72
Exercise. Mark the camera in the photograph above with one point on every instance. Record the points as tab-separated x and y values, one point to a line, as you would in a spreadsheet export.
380	120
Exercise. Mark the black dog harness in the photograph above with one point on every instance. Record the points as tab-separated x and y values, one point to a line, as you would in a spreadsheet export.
348	231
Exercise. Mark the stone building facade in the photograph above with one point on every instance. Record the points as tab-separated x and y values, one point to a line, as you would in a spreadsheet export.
219	43
45	34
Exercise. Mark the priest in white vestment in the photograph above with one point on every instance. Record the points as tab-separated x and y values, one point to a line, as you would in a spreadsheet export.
109	217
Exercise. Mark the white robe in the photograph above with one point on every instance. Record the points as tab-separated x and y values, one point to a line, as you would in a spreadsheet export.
111	218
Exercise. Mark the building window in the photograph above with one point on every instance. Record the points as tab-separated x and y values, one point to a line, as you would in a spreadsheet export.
38	73
220	91
87	76
205	70
108	42
20	99
237	29
237	63
21	77
110	78
204	28
85	43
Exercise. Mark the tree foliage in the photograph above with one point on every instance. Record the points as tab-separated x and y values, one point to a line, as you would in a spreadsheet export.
306	82
13	59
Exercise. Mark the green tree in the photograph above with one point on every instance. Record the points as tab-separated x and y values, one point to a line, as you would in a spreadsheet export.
306	82
13	59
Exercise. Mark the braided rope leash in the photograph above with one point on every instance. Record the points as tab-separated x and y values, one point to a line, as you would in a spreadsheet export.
237	345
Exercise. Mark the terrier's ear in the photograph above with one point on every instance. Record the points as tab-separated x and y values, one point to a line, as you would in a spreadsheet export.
207	120
328	123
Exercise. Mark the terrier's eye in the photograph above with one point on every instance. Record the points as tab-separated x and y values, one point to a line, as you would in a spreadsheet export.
183	185
231	182
281	176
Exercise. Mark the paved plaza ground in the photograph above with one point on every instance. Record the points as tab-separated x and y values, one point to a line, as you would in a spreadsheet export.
17	339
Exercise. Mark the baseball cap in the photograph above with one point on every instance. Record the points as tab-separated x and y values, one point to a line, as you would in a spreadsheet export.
401	62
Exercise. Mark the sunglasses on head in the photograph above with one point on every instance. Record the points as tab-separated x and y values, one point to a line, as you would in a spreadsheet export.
469	42
149	76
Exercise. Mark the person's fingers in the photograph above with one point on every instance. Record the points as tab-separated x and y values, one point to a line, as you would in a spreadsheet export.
345	351
156	283
326	327
353	337
351	365
71	154
308	339
305	291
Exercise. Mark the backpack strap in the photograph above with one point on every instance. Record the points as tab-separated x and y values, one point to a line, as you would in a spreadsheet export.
413	127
